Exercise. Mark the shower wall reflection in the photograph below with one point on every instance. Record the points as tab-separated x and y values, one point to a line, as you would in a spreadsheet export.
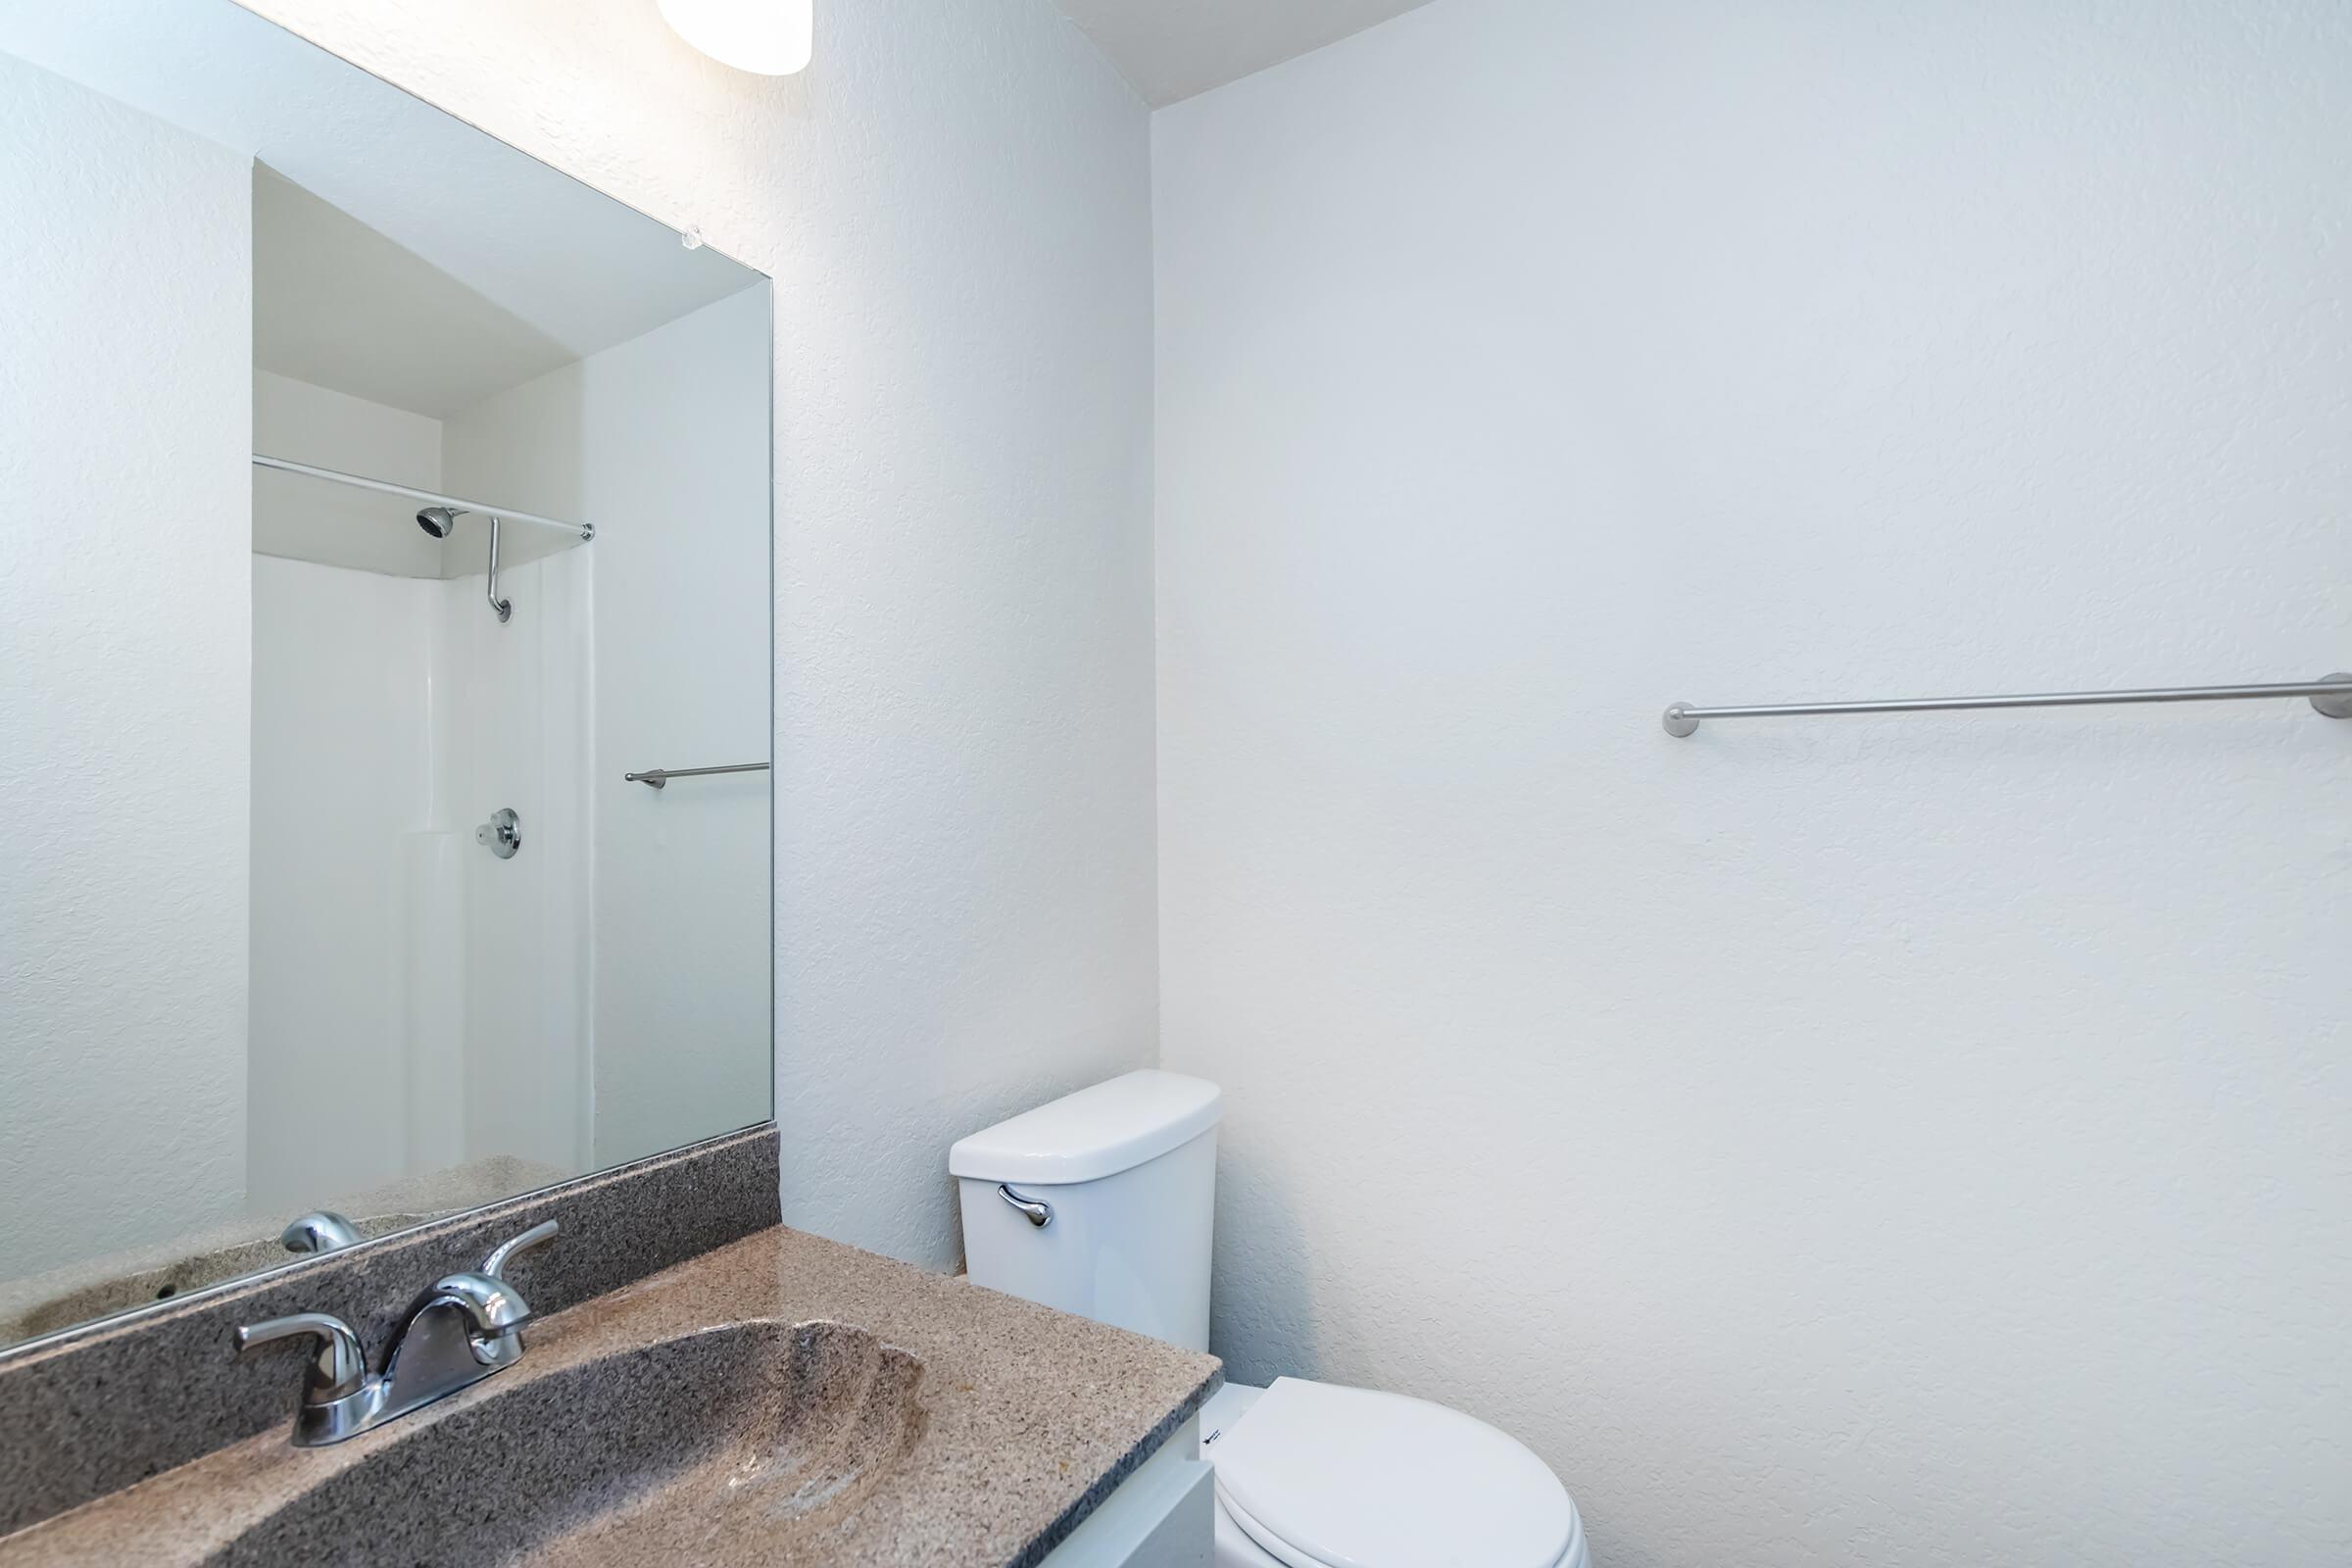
384	684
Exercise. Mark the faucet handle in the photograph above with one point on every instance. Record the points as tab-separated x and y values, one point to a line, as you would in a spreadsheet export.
539	1235
340	1367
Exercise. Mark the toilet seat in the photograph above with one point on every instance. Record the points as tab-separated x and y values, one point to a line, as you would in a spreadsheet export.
1322	1476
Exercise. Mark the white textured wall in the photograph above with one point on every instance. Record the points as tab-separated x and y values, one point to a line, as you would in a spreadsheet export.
1920	1142
125	598
953	201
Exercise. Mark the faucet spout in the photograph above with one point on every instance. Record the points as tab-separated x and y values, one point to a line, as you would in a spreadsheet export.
490	1305
461	1329
322	1230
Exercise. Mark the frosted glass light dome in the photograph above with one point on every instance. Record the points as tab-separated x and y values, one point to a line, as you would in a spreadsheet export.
767	38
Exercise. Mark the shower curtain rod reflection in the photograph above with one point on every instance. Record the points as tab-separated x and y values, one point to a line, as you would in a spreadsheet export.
579	530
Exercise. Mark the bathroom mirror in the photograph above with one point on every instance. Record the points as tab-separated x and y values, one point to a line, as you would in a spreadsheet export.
381	500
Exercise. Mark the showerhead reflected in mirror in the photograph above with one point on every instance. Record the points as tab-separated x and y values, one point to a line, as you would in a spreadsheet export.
321	373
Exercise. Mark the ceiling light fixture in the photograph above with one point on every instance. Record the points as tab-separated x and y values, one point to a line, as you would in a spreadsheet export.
766	37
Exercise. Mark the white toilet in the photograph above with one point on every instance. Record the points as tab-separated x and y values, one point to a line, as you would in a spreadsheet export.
1099	1204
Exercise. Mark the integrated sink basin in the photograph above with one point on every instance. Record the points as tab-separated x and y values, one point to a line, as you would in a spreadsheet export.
749	1443
779	1402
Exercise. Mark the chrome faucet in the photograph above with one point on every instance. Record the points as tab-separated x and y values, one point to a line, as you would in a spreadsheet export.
321	1230
460	1329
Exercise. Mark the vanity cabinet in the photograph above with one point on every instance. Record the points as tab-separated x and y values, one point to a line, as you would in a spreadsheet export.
1162	1516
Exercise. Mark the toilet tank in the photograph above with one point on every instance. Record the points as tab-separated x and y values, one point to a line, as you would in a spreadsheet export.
1127	1176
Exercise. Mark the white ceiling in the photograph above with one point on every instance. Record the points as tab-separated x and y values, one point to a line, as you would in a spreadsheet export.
1171	49
410	232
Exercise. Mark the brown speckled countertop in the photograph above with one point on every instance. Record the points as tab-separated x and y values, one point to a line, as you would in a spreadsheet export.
955	1427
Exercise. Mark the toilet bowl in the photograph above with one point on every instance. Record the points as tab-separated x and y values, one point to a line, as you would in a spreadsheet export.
1100	1203
1333	1477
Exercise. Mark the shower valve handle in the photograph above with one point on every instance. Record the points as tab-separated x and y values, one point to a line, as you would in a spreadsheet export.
502	835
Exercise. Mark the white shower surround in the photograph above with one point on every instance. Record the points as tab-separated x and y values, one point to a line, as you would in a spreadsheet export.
663	442
391	715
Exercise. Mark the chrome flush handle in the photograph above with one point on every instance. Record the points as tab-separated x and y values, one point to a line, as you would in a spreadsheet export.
1039	1214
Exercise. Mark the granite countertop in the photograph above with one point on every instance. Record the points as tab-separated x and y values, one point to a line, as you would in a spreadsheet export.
1026	1420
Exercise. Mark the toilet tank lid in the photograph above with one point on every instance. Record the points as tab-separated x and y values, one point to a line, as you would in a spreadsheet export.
1097	1132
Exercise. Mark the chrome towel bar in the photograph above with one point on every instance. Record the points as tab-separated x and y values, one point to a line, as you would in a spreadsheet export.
657	778
2330	694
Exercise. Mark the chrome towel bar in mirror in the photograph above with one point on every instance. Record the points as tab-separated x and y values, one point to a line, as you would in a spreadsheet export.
2330	694
658	777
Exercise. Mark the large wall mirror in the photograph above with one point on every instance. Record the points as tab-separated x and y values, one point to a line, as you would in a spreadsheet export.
379	499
